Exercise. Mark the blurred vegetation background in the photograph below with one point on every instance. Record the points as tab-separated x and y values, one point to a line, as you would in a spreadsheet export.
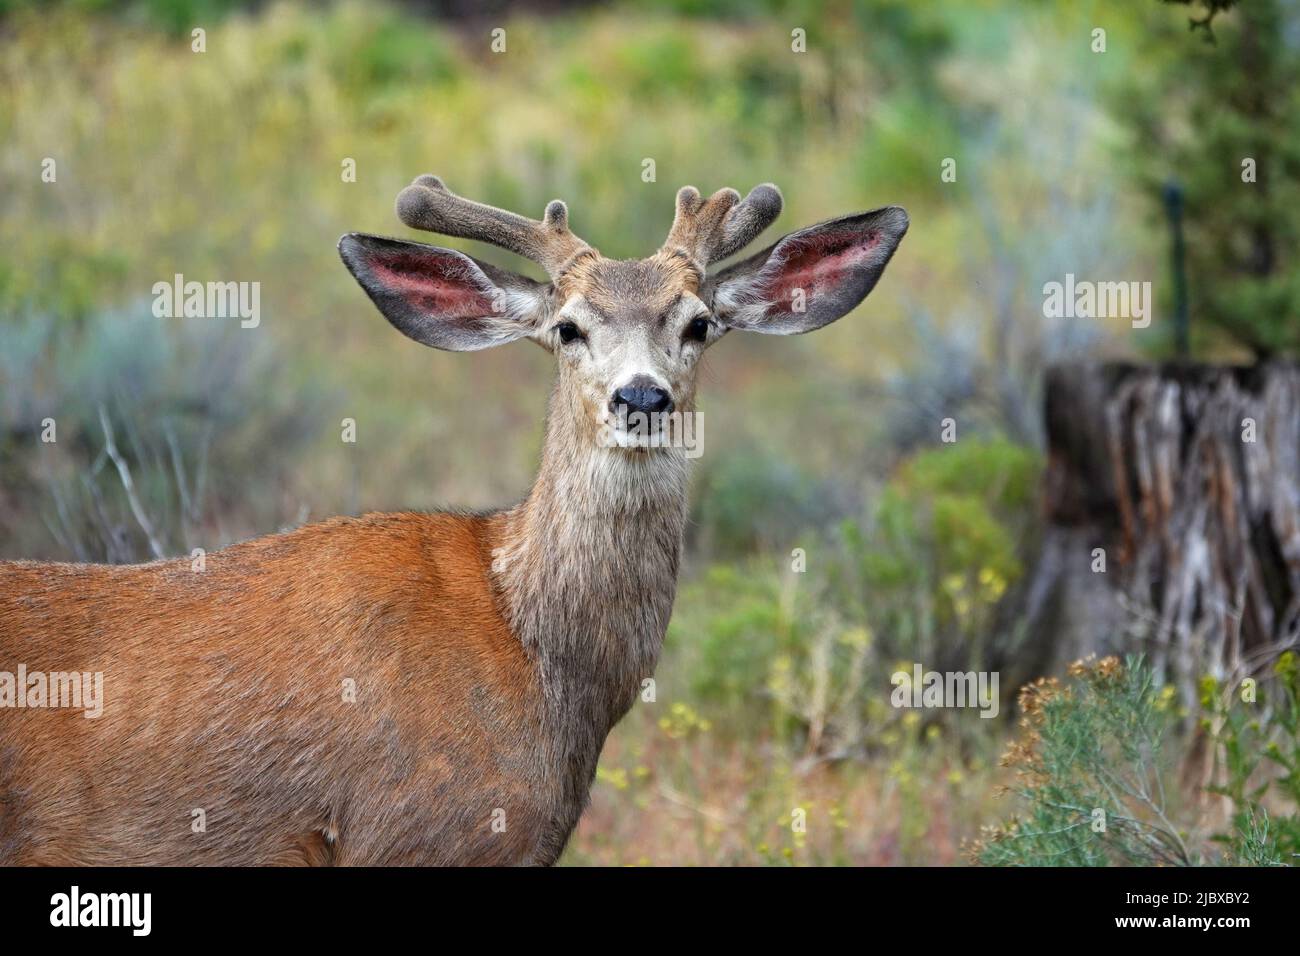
228	165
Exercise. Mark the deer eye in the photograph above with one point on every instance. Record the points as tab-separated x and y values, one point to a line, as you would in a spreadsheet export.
697	330
569	332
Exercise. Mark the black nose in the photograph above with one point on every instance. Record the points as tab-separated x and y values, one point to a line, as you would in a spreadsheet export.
641	396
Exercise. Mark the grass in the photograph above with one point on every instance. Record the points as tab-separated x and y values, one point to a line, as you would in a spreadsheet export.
683	794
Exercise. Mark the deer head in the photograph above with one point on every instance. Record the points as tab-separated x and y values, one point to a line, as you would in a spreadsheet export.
628	335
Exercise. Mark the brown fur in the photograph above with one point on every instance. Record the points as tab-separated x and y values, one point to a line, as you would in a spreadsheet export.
224	691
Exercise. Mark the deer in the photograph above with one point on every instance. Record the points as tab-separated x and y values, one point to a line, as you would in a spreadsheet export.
417	688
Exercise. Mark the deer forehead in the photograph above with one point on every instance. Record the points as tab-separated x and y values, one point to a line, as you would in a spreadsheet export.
630	290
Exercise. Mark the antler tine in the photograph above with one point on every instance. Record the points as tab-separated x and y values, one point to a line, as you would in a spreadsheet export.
713	229
429	205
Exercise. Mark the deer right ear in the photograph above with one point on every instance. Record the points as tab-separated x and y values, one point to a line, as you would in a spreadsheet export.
811	277
441	297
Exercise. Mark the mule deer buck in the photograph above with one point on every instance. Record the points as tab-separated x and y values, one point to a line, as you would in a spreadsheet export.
487	655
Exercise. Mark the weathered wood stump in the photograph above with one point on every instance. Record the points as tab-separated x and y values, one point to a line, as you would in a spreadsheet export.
1187	477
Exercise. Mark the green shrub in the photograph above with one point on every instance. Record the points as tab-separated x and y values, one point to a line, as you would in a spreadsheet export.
1258	750
730	621
175	395
1091	772
763	646
810	652
752	502
943	545
1096	770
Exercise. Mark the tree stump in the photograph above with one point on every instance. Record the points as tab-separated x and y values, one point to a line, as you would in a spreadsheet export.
1187	478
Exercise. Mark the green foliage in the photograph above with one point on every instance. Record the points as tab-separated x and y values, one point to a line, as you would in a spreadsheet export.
944	545
1259	744
1096	767
1203	13
963	504
751	501
379	53
732	641
178	17
810	652
1091	772
1196	115
175	398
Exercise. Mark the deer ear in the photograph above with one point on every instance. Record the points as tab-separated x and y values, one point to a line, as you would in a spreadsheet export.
811	277
441	297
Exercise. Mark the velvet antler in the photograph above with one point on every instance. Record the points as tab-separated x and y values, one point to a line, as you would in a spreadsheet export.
712	229
428	204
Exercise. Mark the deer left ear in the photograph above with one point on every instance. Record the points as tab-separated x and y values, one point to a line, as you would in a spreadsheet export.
811	277
441	297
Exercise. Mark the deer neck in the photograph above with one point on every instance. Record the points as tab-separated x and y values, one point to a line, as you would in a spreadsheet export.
587	565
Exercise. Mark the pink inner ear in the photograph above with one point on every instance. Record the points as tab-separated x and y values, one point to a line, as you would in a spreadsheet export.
415	279
817	265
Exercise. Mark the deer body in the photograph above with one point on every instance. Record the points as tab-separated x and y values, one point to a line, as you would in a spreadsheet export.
214	704
413	688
